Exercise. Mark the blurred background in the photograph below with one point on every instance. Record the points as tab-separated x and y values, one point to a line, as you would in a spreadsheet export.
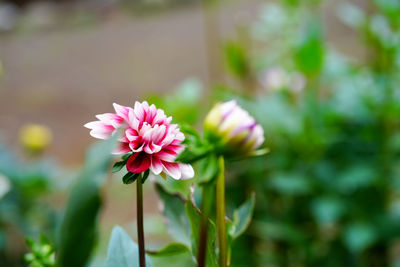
321	76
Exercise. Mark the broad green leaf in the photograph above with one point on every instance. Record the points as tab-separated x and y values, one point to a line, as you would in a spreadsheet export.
242	216
171	249
122	251
130	177
118	166
78	230
195	221
174	211
309	52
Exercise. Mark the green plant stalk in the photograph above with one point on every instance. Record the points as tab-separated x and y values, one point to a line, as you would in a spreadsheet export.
139	210
206	200
221	226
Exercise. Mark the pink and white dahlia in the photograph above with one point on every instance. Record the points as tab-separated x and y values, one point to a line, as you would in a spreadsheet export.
149	134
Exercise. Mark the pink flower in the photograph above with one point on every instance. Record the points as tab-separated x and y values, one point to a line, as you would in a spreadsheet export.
149	134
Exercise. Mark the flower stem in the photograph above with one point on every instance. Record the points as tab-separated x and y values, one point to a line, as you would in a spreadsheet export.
206	202
221	226
139	210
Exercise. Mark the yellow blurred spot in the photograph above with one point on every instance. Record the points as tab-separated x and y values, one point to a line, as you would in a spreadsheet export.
35	138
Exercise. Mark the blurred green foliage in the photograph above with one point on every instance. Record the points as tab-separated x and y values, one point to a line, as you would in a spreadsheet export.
24	211
328	192
78	232
42	255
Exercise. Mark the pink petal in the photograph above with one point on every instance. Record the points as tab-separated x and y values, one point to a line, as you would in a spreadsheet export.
139	111
133	121
172	169
122	149
131	134
156	165
187	171
135	147
122	111
151	148
167	155
111	119
138	162
100	130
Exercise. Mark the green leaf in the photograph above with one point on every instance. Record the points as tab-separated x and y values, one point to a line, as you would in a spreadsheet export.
174	210
78	231
122	251
188	130
195	149
130	177
236	59
171	249
359	236
309	52
191	154
126	156
242	216
118	166
208	169
195	221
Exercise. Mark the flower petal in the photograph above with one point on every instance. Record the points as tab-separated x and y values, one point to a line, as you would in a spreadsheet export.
187	171
138	162
172	169
156	165
121	149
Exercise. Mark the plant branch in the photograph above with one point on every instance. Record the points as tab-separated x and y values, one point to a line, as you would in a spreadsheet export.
206	200
221	226
139	210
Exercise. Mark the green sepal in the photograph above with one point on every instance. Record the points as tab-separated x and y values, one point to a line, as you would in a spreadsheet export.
118	166
126	156
130	177
195	149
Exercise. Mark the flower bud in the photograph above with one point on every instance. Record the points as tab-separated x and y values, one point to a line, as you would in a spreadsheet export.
35	138
232	130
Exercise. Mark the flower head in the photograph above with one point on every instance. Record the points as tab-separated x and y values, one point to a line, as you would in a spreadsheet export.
232	129
149	134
